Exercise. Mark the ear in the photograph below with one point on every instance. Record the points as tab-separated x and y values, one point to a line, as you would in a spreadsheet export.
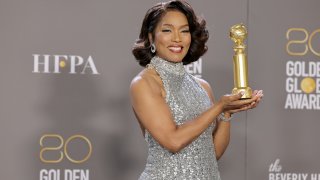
150	38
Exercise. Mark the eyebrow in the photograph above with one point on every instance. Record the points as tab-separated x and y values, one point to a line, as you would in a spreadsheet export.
172	25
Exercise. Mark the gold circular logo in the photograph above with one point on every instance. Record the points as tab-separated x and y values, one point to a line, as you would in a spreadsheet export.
308	85
62	64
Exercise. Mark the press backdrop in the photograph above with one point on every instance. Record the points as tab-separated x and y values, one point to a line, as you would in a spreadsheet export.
65	71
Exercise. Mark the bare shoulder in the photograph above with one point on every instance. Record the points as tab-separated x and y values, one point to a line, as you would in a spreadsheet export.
206	86
203	82
146	80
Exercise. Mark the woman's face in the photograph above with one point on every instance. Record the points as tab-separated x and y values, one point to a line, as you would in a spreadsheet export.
172	36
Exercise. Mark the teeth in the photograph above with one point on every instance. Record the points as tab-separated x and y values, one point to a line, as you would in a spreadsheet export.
175	48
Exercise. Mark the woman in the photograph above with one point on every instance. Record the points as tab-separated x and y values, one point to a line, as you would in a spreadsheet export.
186	130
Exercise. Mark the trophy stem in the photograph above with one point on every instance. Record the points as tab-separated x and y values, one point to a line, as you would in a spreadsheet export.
240	69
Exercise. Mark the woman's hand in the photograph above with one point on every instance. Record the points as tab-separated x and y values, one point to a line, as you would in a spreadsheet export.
232	103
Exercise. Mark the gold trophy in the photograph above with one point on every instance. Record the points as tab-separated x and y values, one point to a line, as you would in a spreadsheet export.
238	33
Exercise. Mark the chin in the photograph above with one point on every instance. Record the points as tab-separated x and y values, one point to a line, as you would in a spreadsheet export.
175	58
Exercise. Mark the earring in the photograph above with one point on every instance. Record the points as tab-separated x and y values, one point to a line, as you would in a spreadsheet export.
153	48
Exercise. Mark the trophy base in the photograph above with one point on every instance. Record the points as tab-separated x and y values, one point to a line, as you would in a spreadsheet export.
247	92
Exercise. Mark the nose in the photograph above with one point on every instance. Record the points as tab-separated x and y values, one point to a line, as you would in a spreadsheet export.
176	37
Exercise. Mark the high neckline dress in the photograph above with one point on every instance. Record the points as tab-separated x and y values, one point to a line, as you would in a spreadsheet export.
186	99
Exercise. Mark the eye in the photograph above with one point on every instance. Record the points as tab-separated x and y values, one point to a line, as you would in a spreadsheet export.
186	31
166	30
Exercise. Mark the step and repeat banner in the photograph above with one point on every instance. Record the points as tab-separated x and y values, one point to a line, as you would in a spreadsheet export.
66	67
284	54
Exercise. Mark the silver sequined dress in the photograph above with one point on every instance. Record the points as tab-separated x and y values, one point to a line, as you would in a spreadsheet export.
186	99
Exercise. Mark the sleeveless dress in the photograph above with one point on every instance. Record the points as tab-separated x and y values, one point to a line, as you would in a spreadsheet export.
186	99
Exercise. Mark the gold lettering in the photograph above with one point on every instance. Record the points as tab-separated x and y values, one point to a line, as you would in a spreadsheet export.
310	42
66	149
51	148
297	42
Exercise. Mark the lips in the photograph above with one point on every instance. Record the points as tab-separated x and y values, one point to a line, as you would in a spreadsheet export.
175	49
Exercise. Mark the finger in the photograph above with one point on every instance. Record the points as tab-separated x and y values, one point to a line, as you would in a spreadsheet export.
254	105
242	102
251	105
238	110
257	93
231	97
242	105
235	97
259	99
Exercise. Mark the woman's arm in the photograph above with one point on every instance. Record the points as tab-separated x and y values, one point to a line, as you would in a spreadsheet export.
221	134
221	138
155	116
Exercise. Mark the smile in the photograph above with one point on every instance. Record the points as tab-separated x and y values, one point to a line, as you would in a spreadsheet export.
175	49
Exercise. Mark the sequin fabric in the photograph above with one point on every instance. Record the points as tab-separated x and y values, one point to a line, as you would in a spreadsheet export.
186	99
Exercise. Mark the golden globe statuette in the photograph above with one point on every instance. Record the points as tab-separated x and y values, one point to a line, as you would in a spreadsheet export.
238	33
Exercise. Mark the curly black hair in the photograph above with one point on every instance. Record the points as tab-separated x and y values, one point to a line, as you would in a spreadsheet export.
197	27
